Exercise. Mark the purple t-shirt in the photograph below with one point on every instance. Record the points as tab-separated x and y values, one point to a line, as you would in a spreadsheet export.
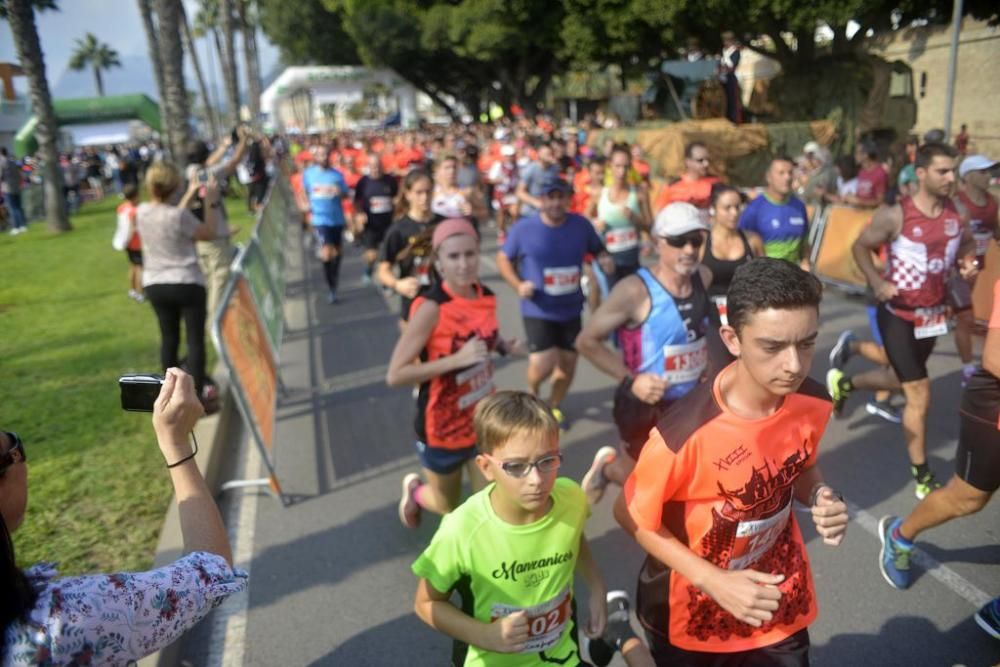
551	258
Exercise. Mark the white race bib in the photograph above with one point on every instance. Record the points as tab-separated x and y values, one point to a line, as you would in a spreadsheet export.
720	305
325	191
475	383
982	242
379	205
620	240
684	363
422	270
546	621
754	538
561	280
930	322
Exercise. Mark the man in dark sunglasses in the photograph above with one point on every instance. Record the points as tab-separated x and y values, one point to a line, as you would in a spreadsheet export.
661	319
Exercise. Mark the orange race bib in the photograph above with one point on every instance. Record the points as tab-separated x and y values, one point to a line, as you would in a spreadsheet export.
930	322
546	621
561	280
685	363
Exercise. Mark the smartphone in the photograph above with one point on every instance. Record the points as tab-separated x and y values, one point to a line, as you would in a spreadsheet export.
202	176
139	392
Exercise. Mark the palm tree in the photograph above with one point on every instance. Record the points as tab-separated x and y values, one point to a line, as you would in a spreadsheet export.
99	56
175	102
209	20
248	25
153	43
213	122
21	16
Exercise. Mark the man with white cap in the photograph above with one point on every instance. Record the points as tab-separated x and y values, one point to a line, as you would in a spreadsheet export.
661	318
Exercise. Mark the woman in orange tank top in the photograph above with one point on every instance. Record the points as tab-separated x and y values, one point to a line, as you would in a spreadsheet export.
446	350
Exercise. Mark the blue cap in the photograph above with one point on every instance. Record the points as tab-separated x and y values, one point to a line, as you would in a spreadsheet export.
553	183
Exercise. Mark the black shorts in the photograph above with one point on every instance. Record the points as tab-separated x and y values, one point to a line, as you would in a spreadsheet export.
907	355
329	235
372	235
257	190
792	651
977	460
545	334
635	418
134	257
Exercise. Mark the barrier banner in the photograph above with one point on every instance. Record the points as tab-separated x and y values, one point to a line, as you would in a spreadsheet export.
982	292
832	259
266	293
271	231
243	344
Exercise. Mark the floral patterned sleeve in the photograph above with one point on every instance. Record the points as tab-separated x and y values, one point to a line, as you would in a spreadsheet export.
118	618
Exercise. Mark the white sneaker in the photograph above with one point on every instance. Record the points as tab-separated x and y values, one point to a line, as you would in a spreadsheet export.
595	482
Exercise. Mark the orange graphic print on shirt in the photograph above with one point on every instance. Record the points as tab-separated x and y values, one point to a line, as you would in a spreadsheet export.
724	485
446	404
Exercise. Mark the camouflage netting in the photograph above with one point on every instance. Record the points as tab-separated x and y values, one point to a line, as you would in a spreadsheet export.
740	153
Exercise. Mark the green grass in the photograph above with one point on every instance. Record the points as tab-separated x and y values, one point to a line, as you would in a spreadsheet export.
98	489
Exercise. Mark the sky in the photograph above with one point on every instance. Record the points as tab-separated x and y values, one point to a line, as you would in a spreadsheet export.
117	23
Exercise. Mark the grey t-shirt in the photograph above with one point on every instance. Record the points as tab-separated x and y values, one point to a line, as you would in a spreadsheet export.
10	176
168	250
533	178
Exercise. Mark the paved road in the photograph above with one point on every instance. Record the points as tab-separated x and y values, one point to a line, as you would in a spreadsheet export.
329	575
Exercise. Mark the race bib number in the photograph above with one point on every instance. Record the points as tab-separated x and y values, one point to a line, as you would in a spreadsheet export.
325	191
475	383
561	280
930	322
422	270
982	242
755	538
684	363
720	305
379	205
546	621
620	240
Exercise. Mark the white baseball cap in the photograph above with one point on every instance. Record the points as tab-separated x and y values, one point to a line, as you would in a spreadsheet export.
677	219
507	150
811	147
975	163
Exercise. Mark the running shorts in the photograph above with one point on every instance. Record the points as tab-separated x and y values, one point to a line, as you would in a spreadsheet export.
372	235
329	235
441	460
134	257
635	418
959	292
545	334
873	324
977	460
907	355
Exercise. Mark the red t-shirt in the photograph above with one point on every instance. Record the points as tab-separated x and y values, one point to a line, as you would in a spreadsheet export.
872	183
982	219
129	209
723	485
697	192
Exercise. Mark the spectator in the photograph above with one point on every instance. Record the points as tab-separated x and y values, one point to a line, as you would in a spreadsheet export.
728	64
172	278
116	619
820	177
133	247
10	189
847	178
962	140
214	256
873	181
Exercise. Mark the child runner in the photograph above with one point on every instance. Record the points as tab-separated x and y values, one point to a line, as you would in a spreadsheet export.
133	248
727	579
511	550
446	351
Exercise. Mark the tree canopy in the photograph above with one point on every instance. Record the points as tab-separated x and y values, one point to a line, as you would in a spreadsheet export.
93	53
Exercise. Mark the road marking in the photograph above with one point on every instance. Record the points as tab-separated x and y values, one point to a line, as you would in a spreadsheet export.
952	580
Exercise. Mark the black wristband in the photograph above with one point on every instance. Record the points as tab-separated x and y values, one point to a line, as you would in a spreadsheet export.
190	456
628	380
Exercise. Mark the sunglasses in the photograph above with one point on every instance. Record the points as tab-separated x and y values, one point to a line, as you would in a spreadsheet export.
13	455
696	240
519	469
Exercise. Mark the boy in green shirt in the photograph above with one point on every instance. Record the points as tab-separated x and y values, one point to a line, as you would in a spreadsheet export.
510	550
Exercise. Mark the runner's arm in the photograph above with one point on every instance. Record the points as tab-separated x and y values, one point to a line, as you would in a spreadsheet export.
385	275
616	311
586	567
402	369
884	227
645	210
436	610
507	270
522	195
756	244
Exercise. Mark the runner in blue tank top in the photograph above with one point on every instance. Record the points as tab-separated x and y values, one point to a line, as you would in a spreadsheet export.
661	316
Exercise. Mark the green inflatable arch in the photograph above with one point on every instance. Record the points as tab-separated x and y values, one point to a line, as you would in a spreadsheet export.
91	110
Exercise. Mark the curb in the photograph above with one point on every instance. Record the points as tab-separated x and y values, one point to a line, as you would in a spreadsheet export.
214	443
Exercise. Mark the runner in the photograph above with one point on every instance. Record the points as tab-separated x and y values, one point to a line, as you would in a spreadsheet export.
620	214
978	207
407	245
661	316
325	187
710	498
549	249
504	175
446	351
449	200
778	217
694	185
511	550
373	201
873	181
727	247
925	238
976	478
